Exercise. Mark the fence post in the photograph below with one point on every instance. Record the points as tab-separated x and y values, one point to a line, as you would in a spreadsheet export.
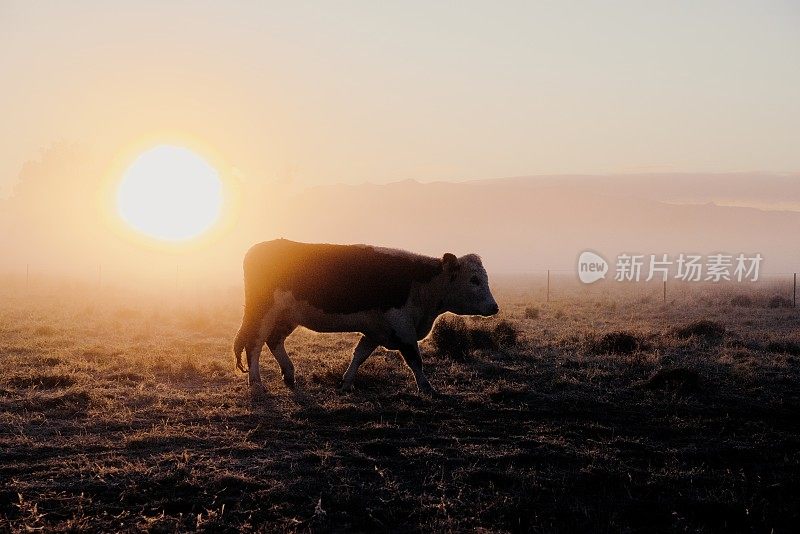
665	291
794	292
548	285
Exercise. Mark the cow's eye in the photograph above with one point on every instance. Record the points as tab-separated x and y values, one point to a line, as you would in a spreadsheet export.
475	281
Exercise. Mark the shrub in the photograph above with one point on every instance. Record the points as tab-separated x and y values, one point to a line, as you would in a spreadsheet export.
451	337
615	343
188	370
505	334
703	328
779	302
742	300
531	312
482	338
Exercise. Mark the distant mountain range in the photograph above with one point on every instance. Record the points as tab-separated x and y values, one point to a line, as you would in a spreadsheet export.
529	223
763	190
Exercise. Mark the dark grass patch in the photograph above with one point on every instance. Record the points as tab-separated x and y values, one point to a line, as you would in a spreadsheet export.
531	312
68	402
379	448
126	376
617	342
778	301
158	441
742	300
678	379
491	479
784	347
704	328
512	395
233	483
47	381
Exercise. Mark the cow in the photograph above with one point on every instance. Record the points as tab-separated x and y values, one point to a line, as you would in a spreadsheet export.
390	296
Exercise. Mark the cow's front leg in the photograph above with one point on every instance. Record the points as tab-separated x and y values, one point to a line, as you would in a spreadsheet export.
413	359
363	349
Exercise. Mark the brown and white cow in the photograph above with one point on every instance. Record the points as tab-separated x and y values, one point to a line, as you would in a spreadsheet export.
390	296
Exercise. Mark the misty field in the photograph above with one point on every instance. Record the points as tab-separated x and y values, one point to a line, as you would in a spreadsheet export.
125	413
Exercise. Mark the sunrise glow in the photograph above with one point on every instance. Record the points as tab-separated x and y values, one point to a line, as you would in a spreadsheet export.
170	193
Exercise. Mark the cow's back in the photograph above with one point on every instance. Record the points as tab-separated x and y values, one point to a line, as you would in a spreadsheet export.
335	278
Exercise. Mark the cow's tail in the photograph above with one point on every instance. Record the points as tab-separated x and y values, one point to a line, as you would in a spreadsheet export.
238	347
250	318
249	328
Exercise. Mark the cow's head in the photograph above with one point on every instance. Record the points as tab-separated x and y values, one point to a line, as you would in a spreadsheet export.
468	290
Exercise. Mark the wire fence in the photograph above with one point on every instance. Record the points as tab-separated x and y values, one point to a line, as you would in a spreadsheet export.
777	290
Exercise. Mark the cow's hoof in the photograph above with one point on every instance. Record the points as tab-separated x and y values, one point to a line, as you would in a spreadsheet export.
345	387
258	391
428	391
289	381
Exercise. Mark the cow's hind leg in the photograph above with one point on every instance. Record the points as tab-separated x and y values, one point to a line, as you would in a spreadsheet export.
254	372
276	345
363	349
254	348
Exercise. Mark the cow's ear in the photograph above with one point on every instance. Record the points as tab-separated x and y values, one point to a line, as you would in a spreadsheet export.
450	262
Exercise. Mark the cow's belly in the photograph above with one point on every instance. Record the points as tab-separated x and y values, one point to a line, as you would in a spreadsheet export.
334	322
370	322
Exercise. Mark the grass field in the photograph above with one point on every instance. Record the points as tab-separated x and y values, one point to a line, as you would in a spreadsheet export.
127	414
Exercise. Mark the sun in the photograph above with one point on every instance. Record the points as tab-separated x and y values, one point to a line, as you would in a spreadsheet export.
170	193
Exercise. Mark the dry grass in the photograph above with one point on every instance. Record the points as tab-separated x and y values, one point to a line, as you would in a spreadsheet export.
597	416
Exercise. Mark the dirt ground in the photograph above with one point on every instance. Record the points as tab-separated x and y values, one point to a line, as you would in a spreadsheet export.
605	416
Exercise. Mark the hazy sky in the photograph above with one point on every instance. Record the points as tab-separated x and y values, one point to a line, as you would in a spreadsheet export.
372	91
